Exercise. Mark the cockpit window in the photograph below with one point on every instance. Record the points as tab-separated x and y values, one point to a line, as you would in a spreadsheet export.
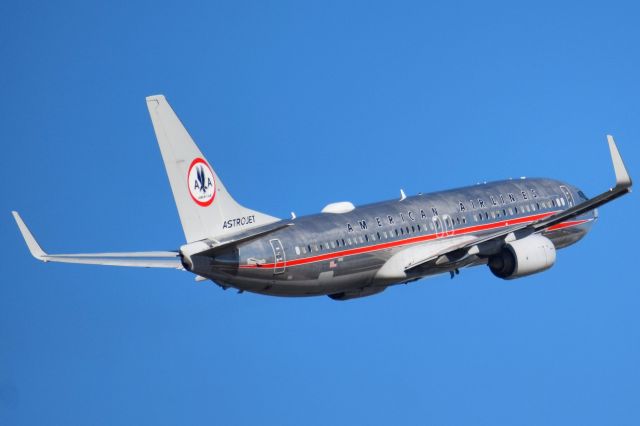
584	197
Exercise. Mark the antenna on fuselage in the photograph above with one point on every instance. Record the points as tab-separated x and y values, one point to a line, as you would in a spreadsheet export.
402	194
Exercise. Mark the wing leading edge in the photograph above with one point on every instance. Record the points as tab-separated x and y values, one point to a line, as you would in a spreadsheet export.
151	259
465	248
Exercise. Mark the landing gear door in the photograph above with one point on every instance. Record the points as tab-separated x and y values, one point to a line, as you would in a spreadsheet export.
280	261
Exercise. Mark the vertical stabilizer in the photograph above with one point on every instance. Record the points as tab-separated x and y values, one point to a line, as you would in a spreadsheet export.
205	207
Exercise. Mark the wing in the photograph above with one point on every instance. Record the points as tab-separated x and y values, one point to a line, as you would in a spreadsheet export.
151	259
622	187
457	248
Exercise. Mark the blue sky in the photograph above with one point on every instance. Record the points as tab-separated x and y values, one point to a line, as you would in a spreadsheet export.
298	104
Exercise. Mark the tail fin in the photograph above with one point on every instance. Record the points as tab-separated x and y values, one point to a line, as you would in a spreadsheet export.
205	207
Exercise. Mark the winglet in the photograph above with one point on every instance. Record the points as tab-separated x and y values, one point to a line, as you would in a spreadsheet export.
622	177
34	247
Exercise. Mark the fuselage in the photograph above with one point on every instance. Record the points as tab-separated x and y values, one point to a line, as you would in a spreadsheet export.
331	253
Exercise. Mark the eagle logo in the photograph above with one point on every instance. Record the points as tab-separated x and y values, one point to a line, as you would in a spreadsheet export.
201	182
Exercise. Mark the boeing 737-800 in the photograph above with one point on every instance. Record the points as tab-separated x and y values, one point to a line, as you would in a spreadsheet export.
513	226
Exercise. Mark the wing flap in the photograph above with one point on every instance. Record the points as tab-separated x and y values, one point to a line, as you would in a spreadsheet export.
396	267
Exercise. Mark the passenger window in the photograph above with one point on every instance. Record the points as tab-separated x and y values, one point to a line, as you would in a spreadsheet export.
298	250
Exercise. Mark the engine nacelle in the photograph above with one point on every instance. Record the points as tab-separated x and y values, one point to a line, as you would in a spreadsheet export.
527	256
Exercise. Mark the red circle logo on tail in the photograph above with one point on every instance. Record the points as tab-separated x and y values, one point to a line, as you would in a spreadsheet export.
202	184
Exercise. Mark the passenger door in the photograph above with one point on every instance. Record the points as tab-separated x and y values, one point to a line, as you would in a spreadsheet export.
567	194
280	260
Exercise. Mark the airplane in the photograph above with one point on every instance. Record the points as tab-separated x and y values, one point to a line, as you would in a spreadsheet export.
513	226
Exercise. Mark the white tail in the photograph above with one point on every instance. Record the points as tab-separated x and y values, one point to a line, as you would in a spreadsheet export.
205	207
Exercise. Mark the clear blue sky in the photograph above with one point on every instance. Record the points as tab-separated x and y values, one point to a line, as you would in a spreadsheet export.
297	105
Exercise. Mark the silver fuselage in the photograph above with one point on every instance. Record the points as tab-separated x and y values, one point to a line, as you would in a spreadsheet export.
330	253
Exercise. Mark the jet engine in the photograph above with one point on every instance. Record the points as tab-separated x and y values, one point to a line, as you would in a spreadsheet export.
527	256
